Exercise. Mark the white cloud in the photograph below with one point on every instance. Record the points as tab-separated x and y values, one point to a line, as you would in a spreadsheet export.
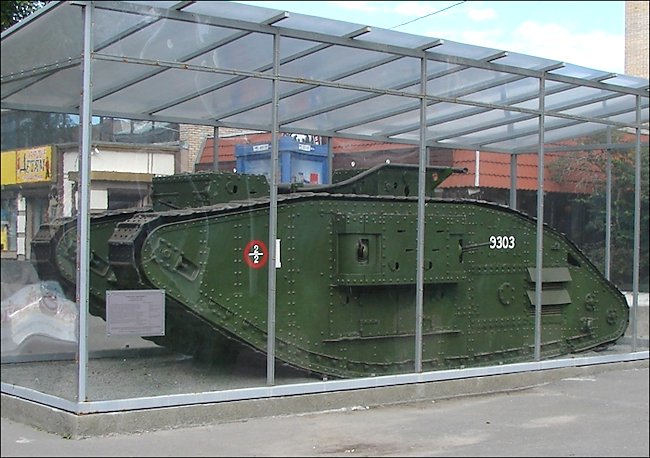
483	37
387	14
553	41
481	14
370	7
415	9
596	49
490	38
410	9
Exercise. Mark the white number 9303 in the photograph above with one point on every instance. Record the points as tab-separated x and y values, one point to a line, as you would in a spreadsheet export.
502	242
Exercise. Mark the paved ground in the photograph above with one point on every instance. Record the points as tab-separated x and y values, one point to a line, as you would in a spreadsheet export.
604	414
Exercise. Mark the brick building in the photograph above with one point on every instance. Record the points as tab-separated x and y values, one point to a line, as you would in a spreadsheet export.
636	38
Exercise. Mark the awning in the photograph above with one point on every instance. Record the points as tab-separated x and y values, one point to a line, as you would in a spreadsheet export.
212	63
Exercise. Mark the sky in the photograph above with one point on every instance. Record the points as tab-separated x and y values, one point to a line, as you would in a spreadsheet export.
585	33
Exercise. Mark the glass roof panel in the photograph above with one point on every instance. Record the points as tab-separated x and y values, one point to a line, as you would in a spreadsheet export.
504	131
378	108
530	142
436	68
59	90
577	71
496	119
159	4
331	62
311	99
408	137
167	40
259	116
112	25
231	10
438	111
108	75
506	89
145	96
258	55
402	74
56	36
408	117
628	81
9	87
605	108
567	96
452	48
463	82
292	48
394	38
225	100
525	61
627	117
316	24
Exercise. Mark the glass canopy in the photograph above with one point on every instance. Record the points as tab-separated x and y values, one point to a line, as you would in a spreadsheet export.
212	63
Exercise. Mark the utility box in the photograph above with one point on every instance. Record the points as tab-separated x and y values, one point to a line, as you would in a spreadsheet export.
300	162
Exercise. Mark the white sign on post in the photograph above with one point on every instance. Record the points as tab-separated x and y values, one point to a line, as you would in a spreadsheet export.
135	312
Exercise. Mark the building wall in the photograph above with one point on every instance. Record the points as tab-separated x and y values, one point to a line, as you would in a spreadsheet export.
113	158
636	38
193	138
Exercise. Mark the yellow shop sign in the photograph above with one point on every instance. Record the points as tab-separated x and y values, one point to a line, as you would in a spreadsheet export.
30	165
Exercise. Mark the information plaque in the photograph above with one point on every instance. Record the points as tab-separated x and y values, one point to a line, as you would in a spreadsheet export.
135	312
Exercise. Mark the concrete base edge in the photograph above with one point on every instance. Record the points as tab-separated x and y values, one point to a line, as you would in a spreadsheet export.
75	426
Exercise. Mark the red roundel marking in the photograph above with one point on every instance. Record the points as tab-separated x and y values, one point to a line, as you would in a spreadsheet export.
256	254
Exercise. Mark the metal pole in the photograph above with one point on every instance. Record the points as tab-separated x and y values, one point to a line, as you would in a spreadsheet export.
608	209
83	216
540	223
422	177
330	160
513	181
273	217
215	149
637	223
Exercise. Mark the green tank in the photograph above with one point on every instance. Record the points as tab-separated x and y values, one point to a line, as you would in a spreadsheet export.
346	274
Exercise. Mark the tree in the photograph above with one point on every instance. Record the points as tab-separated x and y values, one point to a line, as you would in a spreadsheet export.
622	211
12	12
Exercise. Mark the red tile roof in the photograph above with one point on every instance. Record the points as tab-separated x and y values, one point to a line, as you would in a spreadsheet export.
494	172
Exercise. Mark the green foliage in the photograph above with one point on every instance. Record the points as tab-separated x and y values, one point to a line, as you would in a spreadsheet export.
12	12
22	129
622	210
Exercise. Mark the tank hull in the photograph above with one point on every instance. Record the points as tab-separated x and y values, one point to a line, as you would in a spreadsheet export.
346	278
